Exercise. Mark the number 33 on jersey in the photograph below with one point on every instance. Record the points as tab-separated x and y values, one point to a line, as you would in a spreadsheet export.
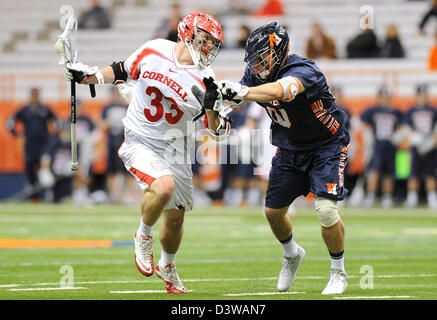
162	98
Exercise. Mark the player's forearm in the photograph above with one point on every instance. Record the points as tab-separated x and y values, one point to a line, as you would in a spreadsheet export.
107	73
213	120
265	92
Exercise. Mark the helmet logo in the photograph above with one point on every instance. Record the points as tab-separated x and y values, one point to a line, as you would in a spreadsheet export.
274	39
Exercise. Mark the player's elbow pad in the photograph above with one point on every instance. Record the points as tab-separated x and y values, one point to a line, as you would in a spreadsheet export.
120	75
290	87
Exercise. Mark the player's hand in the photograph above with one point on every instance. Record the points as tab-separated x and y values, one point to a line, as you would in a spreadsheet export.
79	71
211	99
234	92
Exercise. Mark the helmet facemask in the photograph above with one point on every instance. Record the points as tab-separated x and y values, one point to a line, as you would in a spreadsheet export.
203	48
203	37
264	63
266	49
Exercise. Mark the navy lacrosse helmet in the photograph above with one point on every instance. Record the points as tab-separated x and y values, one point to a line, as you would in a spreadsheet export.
266	48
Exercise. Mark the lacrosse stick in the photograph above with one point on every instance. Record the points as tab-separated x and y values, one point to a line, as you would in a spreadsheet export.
65	46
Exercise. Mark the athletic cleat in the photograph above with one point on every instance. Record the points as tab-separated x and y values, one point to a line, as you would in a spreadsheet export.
144	254
289	269
170	276
337	282
386	202
369	201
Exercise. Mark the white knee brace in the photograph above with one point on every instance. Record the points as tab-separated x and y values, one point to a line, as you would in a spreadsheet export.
327	211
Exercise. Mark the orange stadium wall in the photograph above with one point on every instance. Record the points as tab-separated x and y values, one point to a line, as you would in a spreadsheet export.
11	160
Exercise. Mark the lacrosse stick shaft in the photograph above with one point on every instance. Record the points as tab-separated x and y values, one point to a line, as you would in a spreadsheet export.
92	91
74	164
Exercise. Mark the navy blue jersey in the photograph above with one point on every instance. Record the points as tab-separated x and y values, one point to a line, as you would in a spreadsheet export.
421	119
383	120
312	118
347	117
84	127
34	120
113	114
60	154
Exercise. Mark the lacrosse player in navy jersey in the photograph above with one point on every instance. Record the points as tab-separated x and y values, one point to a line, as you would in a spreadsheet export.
385	122
307	127
421	121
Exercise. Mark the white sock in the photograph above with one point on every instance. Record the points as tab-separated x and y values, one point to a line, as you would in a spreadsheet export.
253	197
290	247
145	229
166	258
432	197
337	262
237	196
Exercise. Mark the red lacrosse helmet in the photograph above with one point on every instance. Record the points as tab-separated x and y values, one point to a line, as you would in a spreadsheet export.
203	36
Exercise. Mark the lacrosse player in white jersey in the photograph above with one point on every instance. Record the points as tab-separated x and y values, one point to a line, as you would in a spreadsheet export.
172	83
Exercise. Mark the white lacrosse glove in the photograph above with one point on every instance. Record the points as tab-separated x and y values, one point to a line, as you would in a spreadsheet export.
125	90
233	92
78	71
46	178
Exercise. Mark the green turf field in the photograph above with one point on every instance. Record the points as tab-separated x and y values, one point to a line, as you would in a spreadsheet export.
226	253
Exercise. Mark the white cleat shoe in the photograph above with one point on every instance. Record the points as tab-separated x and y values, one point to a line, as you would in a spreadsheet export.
144	254
171	279
337	282
386	202
368	201
289	269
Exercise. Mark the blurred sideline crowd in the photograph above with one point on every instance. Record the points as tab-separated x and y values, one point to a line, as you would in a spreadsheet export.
392	157
319	45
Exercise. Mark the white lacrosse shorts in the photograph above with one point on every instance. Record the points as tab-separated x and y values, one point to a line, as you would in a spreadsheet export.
145	159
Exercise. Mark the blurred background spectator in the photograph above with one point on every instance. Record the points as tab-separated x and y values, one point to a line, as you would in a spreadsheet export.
244	32
392	46
39	124
431	12
241	183
55	173
112	115
270	8
320	45
364	44
86	139
96	17
168	28
432	56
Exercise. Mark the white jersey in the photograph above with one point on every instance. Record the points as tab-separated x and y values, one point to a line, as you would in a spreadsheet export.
162	100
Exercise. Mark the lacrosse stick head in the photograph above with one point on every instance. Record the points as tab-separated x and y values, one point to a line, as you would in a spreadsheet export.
65	44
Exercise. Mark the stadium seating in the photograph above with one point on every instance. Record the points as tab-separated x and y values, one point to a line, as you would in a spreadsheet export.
30	29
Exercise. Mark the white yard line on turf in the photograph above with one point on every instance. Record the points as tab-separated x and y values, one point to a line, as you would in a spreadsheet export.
261	293
215	280
374	297
141	291
9	285
48	289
